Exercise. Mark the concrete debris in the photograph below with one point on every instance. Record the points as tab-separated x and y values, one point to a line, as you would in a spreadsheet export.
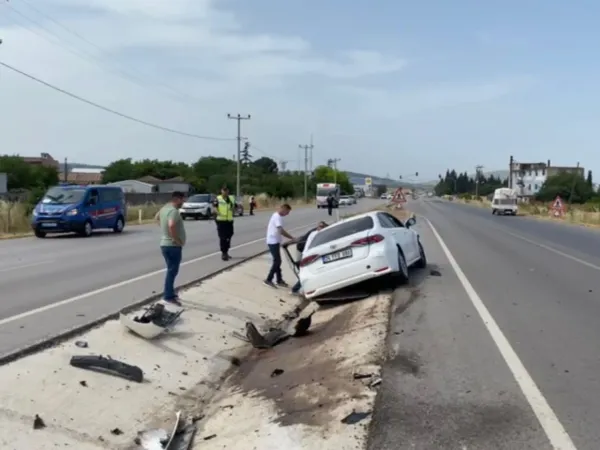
155	320
269	340
83	383
360	376
81	344
208	438
355	417
99	363
376	382
276	373
116	431
156	439
38	423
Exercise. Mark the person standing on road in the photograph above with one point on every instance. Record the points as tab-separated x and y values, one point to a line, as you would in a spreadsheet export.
171	243
252	205
300	248
330	201
275	233
224	207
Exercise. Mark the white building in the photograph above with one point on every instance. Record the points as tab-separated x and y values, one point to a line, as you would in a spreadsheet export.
134	186
527	178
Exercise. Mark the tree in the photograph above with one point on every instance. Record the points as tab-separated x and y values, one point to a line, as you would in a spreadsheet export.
453	183
590	180
266	165
563	185
122	169
22	175
325	174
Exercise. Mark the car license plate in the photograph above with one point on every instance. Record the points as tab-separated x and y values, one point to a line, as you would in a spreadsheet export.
337	256
49	225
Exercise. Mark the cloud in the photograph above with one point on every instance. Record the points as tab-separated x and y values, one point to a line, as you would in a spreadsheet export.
185	64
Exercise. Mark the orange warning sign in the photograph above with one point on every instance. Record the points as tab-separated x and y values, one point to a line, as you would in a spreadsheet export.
399	196
558	209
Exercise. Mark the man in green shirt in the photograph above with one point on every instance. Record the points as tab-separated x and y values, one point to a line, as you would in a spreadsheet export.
171	243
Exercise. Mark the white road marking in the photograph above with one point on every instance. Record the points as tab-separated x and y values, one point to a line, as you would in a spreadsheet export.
25	266
557	435
552	249
122	283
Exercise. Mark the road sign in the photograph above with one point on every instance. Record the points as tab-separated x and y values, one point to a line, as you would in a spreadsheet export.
399	196
368	181
558	208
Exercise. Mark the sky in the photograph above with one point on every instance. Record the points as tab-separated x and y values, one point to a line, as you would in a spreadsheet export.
389	87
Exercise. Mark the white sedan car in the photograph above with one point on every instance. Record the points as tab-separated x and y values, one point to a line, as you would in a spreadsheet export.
358	249
346	200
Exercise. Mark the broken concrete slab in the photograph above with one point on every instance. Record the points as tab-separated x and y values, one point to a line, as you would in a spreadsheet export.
82	417
301	394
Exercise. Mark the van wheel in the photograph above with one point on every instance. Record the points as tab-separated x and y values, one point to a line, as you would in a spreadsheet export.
39	234
494	211
402	275
87	229
422	262
119	225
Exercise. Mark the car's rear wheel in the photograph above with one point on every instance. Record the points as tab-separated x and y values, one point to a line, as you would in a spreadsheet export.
402	274
119	225
422	262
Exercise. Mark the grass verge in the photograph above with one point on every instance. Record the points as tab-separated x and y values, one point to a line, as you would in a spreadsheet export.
15	217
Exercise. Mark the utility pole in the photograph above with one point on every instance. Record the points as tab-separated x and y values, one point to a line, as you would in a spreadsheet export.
311	167
239	119
66	171
306	148
477	176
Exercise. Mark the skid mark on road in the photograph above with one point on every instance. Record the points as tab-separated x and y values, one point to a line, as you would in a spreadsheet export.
553	429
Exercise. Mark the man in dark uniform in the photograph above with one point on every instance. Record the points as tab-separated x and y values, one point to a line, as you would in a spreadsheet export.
330	201
224	206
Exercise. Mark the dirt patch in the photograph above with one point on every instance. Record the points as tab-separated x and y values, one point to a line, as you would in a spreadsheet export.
310	363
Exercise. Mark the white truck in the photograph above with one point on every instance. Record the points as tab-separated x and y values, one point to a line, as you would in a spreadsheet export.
323	191
504	202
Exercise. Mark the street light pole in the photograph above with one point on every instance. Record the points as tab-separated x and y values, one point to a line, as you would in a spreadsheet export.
239	119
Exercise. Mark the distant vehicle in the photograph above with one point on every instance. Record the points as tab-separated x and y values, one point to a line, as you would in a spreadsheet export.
323	191
357	249
346	200
504	201
383	196
79	209
198	206
239	210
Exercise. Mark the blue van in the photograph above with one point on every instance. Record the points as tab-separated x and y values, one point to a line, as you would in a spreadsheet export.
79	209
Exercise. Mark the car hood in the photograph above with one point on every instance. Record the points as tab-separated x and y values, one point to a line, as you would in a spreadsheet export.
195	205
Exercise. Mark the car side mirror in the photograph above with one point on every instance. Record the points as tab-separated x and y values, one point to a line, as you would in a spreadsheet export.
411	222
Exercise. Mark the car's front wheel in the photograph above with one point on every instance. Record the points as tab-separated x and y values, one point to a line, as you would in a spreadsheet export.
402	274
422	262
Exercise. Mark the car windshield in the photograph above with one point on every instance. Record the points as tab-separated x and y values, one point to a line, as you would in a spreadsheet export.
62	196
342	230
325	192
200	198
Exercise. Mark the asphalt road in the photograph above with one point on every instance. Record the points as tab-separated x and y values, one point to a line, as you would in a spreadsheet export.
447	385
48	286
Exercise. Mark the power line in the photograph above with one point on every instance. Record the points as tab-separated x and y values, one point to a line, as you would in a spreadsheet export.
112	111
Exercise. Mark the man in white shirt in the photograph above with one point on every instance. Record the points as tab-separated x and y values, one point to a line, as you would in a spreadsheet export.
275	234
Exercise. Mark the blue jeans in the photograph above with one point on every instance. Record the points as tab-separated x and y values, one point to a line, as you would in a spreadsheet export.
172	257
275	271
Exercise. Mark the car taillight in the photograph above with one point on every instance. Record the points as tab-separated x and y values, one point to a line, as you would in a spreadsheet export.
368	240
308	260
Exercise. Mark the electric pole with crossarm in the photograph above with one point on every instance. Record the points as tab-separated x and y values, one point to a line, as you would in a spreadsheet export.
239	119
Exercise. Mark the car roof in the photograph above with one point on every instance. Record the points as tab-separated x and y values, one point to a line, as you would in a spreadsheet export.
371	214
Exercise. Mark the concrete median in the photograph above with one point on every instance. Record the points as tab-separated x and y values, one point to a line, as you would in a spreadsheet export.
311	392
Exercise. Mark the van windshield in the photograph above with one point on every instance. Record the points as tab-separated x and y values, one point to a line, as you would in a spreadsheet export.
325	192
61	196
199	198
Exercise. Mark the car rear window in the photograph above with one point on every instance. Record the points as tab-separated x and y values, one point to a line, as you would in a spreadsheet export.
342	230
